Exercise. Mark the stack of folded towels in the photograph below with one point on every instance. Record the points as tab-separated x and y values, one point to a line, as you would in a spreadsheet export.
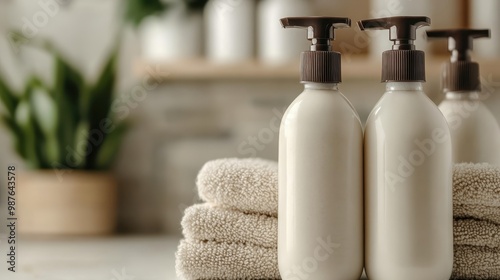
476	213
234	234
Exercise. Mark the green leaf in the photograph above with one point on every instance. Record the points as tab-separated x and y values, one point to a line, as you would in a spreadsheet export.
23	118
100	99
51	151
110	147
22	114
17	134
44	110
80	145
68	88
97	100
8	97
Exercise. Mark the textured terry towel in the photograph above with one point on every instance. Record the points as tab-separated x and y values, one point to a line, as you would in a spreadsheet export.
211	260
476	263
478	212
476	184
476	233
249	185
211	223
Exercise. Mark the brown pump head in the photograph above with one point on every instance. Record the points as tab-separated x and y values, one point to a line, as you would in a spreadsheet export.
460	73
321	64
403	62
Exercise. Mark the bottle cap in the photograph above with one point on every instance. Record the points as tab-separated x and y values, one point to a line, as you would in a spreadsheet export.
321	64
460	73
403	63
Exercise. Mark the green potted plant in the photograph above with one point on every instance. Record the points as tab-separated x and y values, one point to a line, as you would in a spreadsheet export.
68	138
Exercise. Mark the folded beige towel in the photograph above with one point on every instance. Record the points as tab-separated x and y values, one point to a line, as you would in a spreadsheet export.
211	223
476	184
211	260
473	262
478	212
476	233
249	185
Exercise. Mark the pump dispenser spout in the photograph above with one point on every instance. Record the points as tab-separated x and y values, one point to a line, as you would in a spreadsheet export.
321	64
460	73
320	30
402	30
403	63
460	41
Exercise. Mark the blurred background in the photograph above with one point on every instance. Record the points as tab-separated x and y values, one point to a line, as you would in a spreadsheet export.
195	80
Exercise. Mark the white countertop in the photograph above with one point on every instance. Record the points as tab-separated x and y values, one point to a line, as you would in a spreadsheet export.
103	258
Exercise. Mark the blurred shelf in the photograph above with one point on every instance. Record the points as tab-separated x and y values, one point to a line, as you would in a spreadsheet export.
353	68
193	70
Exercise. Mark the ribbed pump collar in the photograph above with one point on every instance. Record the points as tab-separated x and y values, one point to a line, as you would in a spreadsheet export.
403	66
320	67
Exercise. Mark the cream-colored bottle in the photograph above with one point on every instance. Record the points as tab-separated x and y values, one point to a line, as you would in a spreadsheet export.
408	169
475	132
320	168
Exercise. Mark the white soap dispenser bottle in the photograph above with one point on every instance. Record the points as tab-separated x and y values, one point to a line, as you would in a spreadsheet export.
475	132
320	168
408	168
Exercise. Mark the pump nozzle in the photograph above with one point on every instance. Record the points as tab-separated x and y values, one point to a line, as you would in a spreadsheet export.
320	64
402	30
403	63
460	73
320	30
460	41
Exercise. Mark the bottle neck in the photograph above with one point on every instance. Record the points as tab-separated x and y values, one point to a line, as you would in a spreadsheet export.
462	95
404	86
321	86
